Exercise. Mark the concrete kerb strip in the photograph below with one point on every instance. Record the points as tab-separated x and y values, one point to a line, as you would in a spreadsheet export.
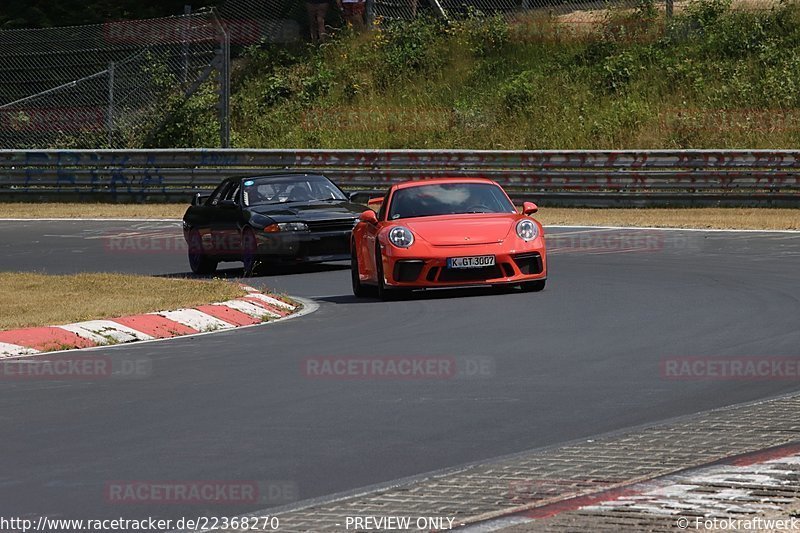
253	309
475	494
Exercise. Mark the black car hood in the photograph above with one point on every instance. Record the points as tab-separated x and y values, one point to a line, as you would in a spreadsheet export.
309	211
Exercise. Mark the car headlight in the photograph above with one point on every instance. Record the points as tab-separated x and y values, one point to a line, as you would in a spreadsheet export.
286	226
527	229
401	237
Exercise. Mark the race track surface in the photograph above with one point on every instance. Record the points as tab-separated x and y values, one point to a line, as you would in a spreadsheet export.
583	357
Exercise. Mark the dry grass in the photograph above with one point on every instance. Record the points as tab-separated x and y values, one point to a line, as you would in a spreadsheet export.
79	210
29	299
721	218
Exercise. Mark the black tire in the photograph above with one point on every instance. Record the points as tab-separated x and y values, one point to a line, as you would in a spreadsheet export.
533	286
359	289
200	263
382	292
251	262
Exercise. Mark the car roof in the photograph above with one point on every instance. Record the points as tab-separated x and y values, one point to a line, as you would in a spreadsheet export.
279	174
436	181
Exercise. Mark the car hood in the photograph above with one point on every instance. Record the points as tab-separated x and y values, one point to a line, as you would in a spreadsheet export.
310	211
460	230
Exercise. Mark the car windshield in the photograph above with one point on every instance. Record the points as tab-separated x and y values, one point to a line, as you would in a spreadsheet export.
289	189
449	199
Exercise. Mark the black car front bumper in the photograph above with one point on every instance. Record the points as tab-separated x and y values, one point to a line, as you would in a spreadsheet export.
311	247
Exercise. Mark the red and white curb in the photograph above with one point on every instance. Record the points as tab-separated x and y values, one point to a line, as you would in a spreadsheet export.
249	310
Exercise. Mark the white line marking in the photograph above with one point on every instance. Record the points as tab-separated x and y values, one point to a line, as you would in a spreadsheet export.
716	230
90	219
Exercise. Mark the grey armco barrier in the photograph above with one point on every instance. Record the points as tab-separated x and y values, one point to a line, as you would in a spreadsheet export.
575	177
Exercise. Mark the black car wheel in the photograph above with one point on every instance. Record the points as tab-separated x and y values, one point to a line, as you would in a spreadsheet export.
250	259
533	286
199	262
359	289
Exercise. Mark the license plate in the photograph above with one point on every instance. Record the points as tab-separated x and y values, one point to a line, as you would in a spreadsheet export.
475	261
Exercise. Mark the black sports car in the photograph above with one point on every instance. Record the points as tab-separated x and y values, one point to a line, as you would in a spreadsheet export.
281	217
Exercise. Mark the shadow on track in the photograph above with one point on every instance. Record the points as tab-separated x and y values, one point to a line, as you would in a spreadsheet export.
267	271
427	294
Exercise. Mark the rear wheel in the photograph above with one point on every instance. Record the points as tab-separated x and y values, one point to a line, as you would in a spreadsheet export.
359	289
199	261
533	286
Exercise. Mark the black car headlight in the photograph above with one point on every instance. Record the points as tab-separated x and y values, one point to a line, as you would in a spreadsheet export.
286	226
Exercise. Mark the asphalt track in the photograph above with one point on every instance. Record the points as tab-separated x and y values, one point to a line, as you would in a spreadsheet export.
581	358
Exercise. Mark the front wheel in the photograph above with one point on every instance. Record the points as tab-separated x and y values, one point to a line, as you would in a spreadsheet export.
385	293
533	286
250	259
200	263
359	289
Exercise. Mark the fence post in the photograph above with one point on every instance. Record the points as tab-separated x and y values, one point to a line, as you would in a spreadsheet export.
110	111
187	10
370	13
224	64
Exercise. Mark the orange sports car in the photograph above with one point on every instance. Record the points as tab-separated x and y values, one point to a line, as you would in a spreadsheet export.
444	233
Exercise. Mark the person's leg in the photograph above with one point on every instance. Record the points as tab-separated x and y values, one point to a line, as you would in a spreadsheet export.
359	15
322	12
312	22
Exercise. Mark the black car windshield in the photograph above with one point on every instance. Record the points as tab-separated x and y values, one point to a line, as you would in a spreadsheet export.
448	199
289	189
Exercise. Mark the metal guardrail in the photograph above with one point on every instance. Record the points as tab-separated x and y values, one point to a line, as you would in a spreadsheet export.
593	178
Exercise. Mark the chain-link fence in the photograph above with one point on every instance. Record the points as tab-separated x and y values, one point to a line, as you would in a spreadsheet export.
102	85
112	85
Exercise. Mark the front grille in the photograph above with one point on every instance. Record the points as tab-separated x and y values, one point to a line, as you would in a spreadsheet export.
529	263
407	270
330	225
470	274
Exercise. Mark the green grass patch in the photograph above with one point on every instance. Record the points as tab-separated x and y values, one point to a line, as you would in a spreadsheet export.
713	77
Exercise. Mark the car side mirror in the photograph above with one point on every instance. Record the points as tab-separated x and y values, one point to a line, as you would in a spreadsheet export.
369	217
227	204
200	198
529	208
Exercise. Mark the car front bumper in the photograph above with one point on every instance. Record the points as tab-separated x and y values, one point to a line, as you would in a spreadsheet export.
304	246
403	268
